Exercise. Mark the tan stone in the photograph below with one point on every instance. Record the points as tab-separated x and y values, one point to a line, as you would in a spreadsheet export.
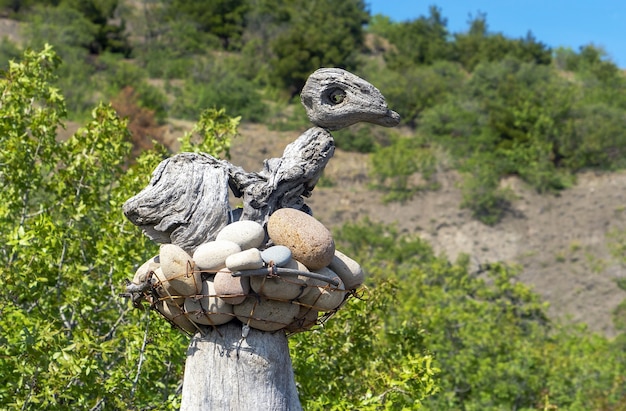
233	290
142	272
179	270
309	241
322	295
174	313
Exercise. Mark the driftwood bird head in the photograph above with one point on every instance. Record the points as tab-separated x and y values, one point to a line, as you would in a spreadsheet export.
335	98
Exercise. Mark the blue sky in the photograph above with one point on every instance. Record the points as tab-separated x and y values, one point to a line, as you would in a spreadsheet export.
572	23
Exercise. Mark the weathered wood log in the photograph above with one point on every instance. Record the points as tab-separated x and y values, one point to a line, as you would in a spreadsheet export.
225	372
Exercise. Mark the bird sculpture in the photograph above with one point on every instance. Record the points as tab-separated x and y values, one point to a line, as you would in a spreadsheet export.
186	202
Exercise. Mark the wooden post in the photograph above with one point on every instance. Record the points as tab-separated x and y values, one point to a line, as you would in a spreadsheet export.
225	372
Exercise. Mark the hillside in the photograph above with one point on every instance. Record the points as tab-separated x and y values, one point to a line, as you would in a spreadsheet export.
560	240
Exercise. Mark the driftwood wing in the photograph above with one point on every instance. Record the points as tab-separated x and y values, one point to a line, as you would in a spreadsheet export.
185	203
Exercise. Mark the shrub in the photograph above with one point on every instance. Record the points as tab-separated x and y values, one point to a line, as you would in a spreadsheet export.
394	168
412	90
362	138
8	51
67	340
491	339
482	193
213	84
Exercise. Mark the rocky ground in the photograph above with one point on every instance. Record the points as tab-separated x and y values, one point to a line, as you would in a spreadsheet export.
559	240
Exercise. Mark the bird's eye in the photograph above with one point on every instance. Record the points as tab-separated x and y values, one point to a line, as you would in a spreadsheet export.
336	96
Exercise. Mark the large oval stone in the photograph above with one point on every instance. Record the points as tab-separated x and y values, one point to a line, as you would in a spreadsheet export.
309	241
212	256
208	308
233	290
178	268
322	295
348	270
266	315
247	234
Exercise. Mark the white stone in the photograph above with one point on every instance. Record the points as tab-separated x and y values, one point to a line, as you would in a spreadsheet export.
247	234
249	259
212	256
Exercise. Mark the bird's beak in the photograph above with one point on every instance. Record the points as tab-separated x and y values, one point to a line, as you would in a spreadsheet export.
388	119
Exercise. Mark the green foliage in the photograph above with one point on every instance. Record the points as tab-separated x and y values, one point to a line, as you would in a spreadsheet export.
416	88
482	193
524	119
288	115
477	46
116	74
67	340
8	51
357	362
418	42
426	333
64	27
107	37
170	46
16	7
362	137
489	334
223	19
213	133
380	25
82	23
394	167
214	84
597	139
303	36
590	60
426	40
70	33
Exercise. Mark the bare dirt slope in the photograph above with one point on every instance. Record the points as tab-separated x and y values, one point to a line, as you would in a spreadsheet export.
560	241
